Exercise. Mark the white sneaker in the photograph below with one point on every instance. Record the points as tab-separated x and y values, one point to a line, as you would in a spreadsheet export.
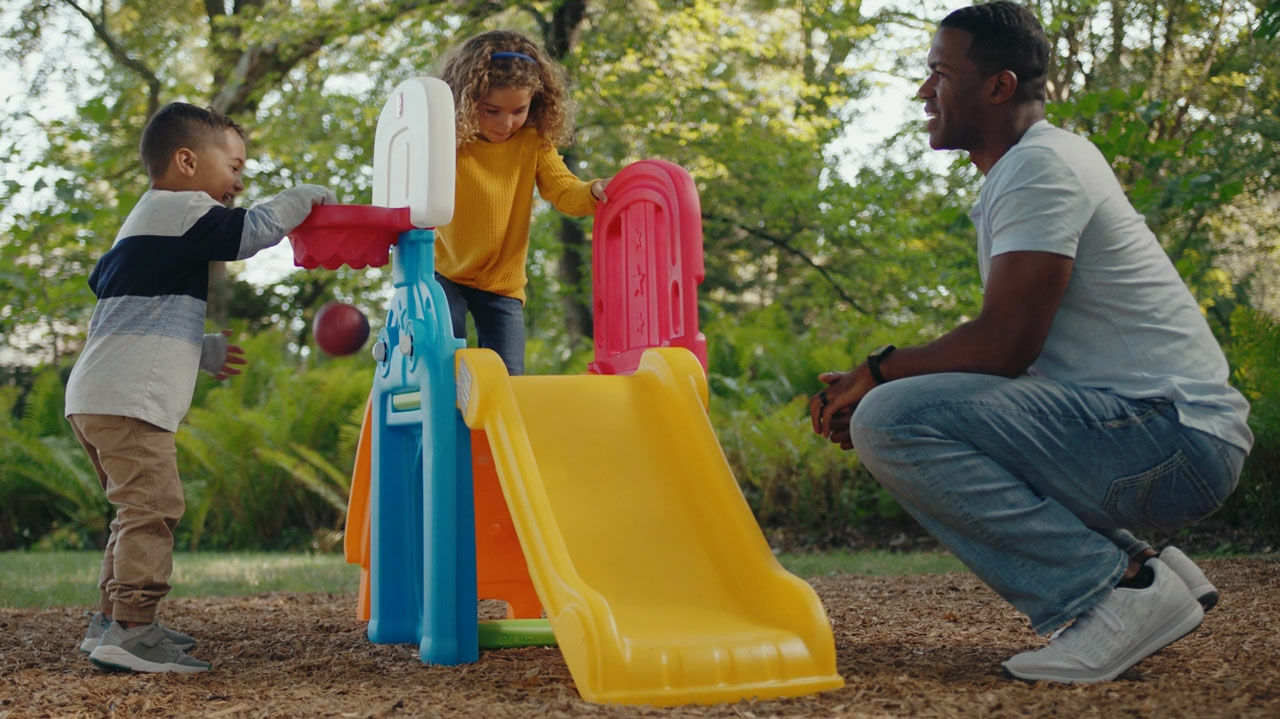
1120	631
1201	588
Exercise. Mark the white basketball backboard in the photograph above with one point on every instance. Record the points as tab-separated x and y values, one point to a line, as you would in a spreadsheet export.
414	152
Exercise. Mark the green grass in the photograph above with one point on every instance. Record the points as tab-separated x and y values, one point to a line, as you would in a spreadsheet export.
31	580
874	563
68	579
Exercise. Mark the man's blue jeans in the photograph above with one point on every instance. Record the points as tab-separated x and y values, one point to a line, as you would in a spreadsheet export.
499	321
1026	480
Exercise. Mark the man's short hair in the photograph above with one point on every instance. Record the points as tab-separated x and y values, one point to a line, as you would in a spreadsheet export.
178	125
1006	36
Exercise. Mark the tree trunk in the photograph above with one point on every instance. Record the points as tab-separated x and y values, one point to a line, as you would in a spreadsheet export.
219	301
559	35
575	276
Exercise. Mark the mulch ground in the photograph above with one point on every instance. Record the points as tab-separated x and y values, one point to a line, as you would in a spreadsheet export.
919	646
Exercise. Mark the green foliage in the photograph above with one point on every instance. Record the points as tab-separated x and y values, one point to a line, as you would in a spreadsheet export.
265	456
1184	114
1253	352
804	490
754	117
48	489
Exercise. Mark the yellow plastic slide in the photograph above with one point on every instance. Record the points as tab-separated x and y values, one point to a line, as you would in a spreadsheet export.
658	583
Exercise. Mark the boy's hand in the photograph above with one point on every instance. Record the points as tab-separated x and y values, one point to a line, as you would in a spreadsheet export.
284	212
317	194
235	356
597	189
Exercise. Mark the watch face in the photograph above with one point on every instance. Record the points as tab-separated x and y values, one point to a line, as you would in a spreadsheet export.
881	351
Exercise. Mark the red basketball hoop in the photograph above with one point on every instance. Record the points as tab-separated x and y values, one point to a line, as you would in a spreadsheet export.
355	235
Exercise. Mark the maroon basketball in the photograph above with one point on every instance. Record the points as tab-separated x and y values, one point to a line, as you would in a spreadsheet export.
340	328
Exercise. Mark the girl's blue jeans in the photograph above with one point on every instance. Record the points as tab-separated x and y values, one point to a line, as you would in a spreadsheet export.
499	321
1032	482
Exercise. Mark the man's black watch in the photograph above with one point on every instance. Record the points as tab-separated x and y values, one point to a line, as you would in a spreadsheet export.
873	362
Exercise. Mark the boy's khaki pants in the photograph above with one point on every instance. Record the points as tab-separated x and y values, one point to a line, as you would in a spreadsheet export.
137	464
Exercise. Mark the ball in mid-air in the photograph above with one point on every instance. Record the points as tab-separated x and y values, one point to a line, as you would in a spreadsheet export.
340	329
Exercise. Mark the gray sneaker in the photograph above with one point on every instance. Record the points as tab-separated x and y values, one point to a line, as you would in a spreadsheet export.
98	623
143	649
1201	588
1120	631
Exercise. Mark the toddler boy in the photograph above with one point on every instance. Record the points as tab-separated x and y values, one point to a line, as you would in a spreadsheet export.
133	383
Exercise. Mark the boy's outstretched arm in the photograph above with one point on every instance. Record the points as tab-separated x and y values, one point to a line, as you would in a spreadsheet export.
266	223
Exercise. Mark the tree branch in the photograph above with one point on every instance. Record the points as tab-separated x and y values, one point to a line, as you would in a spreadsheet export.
544	26
121	55
258	64
789	249
1194	92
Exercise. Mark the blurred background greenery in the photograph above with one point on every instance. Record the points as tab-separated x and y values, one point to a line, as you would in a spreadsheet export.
825	234
59	578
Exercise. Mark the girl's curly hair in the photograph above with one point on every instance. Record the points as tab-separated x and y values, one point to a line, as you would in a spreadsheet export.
472	73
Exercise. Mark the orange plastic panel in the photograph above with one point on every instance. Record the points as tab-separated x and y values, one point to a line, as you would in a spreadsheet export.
501	572
500	564
355	536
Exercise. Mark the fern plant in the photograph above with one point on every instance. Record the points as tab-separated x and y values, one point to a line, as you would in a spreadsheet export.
46	480
264	457
802	489
1253	351
265	461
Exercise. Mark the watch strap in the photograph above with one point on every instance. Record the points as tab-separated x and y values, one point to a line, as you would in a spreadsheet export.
873	363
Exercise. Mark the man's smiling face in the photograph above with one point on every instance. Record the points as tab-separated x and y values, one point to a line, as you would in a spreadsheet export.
952	92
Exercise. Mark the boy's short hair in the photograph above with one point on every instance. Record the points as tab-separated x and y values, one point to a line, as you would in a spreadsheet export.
1006	36
177	125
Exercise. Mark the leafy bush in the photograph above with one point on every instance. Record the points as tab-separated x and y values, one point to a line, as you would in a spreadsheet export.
265	457
1253	351
803	490
48	489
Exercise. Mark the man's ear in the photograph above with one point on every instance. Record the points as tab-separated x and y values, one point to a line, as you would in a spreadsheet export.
185	160
1002	86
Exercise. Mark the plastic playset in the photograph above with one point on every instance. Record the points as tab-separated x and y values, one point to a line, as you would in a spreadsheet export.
599	507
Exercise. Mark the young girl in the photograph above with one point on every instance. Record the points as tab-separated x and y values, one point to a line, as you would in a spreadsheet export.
512	113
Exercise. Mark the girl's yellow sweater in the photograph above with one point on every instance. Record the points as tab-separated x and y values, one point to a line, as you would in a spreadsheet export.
487	243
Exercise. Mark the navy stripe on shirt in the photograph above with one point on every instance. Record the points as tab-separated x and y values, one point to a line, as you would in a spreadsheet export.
158	265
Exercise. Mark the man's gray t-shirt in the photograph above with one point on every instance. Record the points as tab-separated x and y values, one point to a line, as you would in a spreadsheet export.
1127	323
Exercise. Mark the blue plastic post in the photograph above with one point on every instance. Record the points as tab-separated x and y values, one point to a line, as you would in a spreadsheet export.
395	523
422	564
